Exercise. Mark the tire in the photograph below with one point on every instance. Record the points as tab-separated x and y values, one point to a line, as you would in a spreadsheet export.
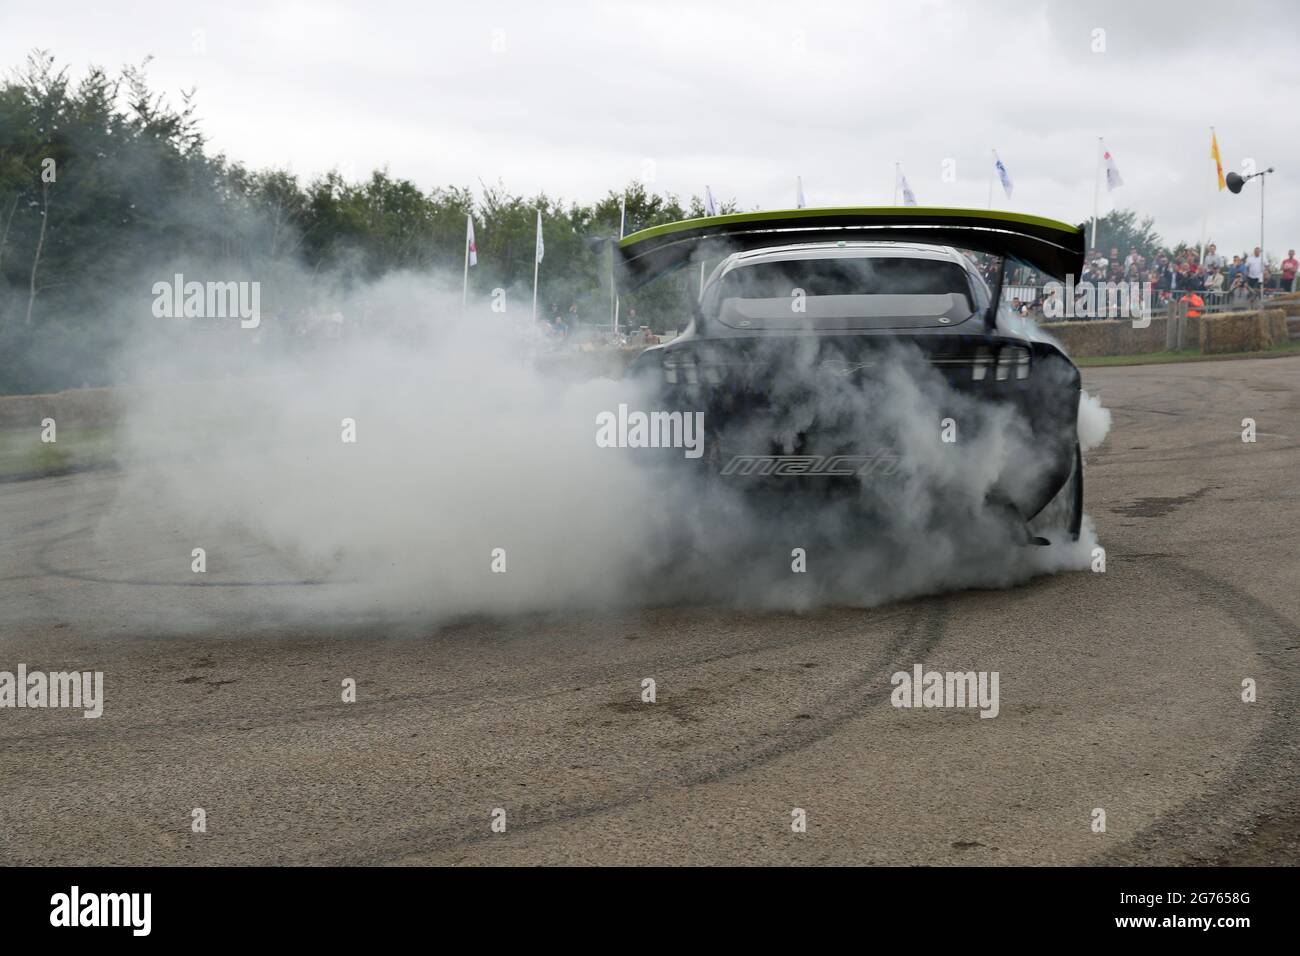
1065	511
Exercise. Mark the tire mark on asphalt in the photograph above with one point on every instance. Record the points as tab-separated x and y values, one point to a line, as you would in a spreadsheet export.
465	699
1263	778
870	688
43	564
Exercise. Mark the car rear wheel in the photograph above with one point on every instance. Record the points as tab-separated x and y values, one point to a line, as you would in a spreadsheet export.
1063	515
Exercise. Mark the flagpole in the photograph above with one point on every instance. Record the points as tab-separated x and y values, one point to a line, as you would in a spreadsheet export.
1205	216
622	222
710	210
464	288
537	261
1096	193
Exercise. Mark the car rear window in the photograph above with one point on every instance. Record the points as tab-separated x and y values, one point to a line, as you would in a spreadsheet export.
844	293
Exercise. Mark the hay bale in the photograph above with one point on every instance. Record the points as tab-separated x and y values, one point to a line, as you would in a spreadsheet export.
1278	329
1242	331
1087	338
1096	337
80	408
1135	341
582	366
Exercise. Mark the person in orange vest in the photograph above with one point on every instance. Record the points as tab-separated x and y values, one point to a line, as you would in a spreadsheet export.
1193	303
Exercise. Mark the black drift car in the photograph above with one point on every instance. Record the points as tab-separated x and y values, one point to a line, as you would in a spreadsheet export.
811	312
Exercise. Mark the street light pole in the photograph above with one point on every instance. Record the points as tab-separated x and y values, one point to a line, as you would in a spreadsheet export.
1263	256
1234	183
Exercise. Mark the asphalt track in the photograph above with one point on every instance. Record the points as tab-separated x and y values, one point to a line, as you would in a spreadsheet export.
1119	690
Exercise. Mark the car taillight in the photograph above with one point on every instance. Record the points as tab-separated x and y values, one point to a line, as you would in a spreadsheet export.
980	367
1021	362
685	368
1010	357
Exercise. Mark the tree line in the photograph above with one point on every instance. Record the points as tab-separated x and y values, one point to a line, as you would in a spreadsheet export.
105	183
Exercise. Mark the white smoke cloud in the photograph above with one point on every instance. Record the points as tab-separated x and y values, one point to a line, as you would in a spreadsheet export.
468	441
1094	421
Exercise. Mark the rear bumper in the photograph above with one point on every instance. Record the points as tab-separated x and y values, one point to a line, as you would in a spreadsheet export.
787	422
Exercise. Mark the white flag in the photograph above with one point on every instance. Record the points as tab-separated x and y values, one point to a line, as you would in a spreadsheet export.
710	207
469	241
798	180
541	246
908	198
1112	171
1002	174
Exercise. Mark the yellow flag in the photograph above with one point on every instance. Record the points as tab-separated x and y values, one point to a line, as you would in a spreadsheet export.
1214	155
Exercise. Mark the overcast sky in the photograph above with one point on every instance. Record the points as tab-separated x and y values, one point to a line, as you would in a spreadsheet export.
578	98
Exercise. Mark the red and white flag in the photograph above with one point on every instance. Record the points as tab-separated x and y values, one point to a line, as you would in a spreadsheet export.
1112	171
470	247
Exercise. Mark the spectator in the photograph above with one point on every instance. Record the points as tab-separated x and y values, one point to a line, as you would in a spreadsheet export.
1164	274
1289	266
1181	280
1212	258
1236	269
1240	294
1049	303
1255	269
1214	280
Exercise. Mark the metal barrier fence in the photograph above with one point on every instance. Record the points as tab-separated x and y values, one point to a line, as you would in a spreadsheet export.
1163	301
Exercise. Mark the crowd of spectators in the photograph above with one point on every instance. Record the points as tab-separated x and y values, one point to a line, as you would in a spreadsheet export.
563	329
1172	276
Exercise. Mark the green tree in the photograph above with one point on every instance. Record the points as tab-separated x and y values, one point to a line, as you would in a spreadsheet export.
1121	229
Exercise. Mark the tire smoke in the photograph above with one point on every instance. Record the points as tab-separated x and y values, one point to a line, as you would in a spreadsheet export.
473	483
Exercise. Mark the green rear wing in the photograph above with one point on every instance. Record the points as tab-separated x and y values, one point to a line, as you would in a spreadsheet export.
1052	247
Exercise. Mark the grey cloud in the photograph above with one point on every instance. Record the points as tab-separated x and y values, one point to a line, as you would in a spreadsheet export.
744	96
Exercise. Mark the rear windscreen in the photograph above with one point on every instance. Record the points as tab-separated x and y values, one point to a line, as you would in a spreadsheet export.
844	292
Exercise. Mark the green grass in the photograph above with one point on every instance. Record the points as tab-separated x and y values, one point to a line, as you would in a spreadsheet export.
1183	355
23	454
